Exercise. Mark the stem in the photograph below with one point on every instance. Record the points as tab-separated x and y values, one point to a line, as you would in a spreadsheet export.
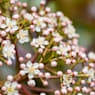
46	50
83	75
26	91
51	77
50	70
73	65
55	59
1	58
40	89
78	82
17	56
34	57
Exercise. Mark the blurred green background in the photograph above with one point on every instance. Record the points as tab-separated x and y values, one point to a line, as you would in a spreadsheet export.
82	14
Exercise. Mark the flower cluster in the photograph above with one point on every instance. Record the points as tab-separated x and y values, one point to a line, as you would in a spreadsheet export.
8	50
10	87
32	69
23	36
57	54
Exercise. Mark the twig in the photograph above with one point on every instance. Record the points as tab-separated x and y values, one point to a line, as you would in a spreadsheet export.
39	89
51	77
50	70
34	57
45	52
17	56
26	91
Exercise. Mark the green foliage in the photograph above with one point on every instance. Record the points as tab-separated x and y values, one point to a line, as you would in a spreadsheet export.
4	5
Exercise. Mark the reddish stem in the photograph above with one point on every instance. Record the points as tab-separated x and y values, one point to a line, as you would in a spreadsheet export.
34	57
26	91
50	70
39	89
17	58
51	77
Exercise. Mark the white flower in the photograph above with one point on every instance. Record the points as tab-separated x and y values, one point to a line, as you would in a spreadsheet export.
57	37
70	31
66	20
28	16
39	24
53	21
11	88
9	50
39	42
67	79
46	32
10	25
23	36
63	49
90	72
31	69
91	55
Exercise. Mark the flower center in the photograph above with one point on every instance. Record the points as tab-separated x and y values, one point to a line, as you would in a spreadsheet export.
38	22
67	80
22	36
61	50
40	42
9	52
10	25
31	70
10	89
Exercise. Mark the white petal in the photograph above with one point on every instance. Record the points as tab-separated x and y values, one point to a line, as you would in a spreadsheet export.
46	42
35	65
36	72
14	84
14	22
3	26
29	64
15	28
8	29
38	29
42	46
7	84
30	76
